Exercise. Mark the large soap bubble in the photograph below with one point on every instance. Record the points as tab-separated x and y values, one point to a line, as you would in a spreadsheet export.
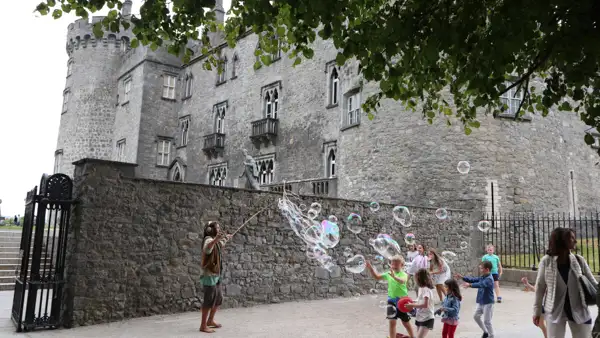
331	234
316	207
484	226
402	215
410	239
463	167
356	264
354	223
374	206
385	246
441	213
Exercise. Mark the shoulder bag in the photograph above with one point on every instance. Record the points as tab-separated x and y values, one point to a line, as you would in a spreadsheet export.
590	289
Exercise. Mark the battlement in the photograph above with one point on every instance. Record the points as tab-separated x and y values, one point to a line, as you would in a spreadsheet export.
80	35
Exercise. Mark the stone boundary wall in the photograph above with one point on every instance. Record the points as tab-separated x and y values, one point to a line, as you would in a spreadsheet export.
134	246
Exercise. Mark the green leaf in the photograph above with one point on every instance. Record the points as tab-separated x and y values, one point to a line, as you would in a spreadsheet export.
297	61
371	116
135	43
154	46
257	65
340	59
281	31
589	139
97	30
565	106
57	13
474	124
468	131
308	53
42	8
430	114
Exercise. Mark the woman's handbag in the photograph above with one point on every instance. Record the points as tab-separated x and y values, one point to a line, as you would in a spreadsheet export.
590	289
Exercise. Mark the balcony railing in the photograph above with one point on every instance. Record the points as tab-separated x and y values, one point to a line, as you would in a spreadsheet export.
265	128
214	143
315	187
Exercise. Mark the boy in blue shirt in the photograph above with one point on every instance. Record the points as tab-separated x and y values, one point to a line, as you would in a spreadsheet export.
496	269
485	297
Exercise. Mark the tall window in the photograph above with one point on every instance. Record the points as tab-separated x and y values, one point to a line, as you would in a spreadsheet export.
334	87
352	116
184	125
220	119
271	103
126	90
512	99
234	65
169	82
189	84
58	157
121	150
124	44
163	152
70	67
331	163
266	170
277	54
217	175
222	71
66	95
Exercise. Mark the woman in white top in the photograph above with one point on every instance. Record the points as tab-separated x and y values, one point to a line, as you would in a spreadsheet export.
440	272
559	289
420	261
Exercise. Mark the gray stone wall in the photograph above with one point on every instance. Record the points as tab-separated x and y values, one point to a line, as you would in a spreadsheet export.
135	246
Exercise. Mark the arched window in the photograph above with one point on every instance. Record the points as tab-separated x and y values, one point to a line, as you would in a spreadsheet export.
334	87
222	75
331	163
220	119
234	65
177	175
272	103
189	85
266	169
218	175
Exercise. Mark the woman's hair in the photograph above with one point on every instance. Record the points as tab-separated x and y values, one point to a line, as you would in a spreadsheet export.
559	241
422	246
412	247
424	279
453	288
437	260
210	230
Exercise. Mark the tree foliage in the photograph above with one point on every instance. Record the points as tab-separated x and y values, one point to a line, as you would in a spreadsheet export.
418	51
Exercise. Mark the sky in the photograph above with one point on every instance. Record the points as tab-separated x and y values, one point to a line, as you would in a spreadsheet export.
35	68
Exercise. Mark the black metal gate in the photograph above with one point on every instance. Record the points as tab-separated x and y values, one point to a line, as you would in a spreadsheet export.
40	278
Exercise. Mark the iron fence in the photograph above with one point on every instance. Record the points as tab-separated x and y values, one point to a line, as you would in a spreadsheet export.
521	239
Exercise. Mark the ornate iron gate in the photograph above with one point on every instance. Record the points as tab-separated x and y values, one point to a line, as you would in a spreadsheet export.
40	280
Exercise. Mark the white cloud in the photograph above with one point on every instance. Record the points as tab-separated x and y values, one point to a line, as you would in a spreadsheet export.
35	68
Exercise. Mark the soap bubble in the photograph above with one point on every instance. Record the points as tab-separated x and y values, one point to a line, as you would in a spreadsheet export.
332	218
331	234
441	213
315	252
464	245
373	293
383	304
356	264
374	206
402	215
385	236
463	167
316	207
386	247
313	234
312	213
448	256
302	207
347	252
410	239
354	223
484	226
379	258
327	263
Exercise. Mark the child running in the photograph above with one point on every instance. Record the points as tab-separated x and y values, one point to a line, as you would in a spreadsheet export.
396	279
440	272
496	269
424	304
450	308
485	297
542	323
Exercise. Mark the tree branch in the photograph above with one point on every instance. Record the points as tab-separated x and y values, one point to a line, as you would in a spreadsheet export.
537	63
525	96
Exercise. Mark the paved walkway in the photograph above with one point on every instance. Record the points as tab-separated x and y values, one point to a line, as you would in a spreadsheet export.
356	318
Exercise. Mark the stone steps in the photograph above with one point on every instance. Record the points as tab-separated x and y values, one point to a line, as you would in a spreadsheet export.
10	243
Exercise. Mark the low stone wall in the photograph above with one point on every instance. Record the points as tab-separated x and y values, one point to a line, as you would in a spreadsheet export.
135	245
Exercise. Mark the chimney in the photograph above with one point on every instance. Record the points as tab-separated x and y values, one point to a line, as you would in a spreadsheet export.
126	9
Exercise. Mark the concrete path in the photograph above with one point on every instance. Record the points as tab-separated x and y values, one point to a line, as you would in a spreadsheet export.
356	318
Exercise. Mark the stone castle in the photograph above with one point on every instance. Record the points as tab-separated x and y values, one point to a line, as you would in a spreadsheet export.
304	125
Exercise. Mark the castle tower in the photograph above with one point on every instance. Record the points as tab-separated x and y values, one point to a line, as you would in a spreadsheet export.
90	94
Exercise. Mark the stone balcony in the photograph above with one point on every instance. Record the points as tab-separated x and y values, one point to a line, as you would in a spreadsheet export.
312	187
264	130
214	144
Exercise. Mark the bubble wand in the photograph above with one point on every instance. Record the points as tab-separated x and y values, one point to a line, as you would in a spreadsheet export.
251	217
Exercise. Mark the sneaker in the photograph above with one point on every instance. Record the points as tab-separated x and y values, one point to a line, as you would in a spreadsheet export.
499	300
485	335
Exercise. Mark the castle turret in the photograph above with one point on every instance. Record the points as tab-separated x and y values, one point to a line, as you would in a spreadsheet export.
90	94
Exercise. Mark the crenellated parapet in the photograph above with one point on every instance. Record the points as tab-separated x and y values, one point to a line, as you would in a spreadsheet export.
80	35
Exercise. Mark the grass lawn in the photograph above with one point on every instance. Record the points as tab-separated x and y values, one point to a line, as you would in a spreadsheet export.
10	227
588	248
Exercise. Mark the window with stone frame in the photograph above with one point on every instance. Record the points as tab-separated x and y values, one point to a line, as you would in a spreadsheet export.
70	67
58	158
66	95
217	174
334	87
121	150
271	102
177	173
330	150
352	109
234	65
189	85
266	169
169	82
276	55
220	112
184	128
124	44
163	151
222	70
512	99
126	90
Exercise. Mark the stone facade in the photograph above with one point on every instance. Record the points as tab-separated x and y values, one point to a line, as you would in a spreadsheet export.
536	165
134	245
